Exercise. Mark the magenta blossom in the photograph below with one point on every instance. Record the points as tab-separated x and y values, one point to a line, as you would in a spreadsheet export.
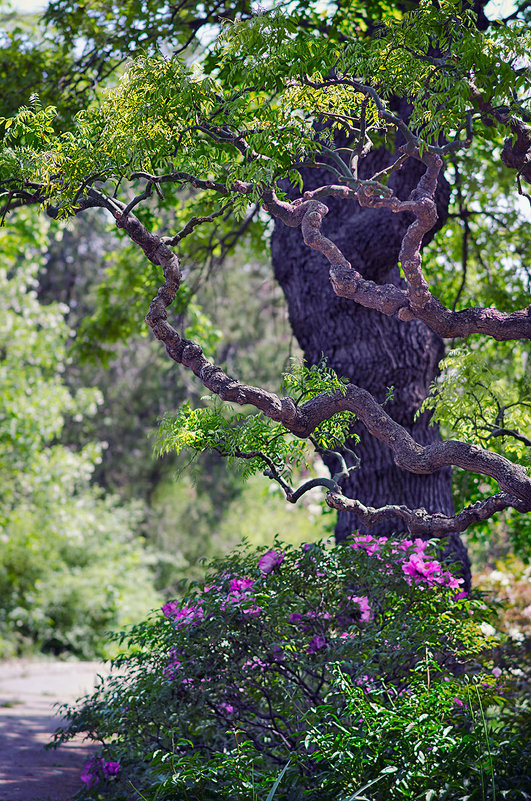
418	569
269	561
240	585
363	603
316	644
170	608
252	610
430	572
173	666
368	543
90	774
182	614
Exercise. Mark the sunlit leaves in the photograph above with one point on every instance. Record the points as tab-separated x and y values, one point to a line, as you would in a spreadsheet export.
253	118
479	399
67	554
251	437
236	435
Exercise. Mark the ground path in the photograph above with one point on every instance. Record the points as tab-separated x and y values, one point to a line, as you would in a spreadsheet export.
28	692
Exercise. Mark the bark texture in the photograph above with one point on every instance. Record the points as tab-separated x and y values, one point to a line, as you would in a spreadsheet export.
372	350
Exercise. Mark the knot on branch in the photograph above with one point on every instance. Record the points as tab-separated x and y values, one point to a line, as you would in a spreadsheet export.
289	411
191	352
405	314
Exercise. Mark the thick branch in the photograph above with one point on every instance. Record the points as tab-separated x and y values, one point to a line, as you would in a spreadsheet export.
417	301
419	521
302	420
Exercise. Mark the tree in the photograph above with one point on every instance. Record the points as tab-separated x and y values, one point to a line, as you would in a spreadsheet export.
272	102
72	564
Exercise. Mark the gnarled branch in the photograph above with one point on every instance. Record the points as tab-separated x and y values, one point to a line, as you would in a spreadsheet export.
417	301
302	420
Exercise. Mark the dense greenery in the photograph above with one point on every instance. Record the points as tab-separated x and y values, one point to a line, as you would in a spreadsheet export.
71	564
228	126
360	671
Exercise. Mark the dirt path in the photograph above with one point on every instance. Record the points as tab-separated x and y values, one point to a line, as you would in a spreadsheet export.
28	693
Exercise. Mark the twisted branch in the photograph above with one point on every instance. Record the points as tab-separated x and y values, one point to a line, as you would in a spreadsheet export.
416	301
302	420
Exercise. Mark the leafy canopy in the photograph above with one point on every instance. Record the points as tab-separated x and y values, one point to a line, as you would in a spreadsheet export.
269	90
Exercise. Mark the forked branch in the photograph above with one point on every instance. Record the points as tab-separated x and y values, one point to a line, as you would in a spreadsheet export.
417	300
302	420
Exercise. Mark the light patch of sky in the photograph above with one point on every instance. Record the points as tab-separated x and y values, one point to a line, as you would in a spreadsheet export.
25	6
496	9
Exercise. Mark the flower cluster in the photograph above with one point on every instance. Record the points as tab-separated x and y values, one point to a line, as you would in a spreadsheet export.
319	625
182	614
269	561
96	768
415	565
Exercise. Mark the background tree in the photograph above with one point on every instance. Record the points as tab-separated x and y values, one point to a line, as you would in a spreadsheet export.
257	123
72	566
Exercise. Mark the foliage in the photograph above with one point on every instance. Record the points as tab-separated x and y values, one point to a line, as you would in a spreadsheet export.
209	510
165	115
483	396
270	96
483	403
71	566
353	666
257	439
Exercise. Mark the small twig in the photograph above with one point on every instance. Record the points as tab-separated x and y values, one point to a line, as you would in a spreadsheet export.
392	167
139	198
520	190
192	223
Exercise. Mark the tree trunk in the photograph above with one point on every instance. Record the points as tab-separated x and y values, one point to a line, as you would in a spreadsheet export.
371	350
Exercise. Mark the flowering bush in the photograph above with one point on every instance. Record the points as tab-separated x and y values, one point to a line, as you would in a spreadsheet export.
327	668
97	768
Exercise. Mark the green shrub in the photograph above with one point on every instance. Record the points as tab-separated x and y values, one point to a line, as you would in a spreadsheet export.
340	668
71	563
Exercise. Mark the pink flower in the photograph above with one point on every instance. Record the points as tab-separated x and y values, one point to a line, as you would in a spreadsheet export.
94	767
363	603
169	609
252	610
89	774
269	561
111	768
420	570
255	663
240	585
173	666
453	583
295	617
368	543
182	614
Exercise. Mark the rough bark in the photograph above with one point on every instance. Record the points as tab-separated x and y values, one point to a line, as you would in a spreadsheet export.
372	350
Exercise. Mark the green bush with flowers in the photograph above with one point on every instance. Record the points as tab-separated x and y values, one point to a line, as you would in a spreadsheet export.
356	671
